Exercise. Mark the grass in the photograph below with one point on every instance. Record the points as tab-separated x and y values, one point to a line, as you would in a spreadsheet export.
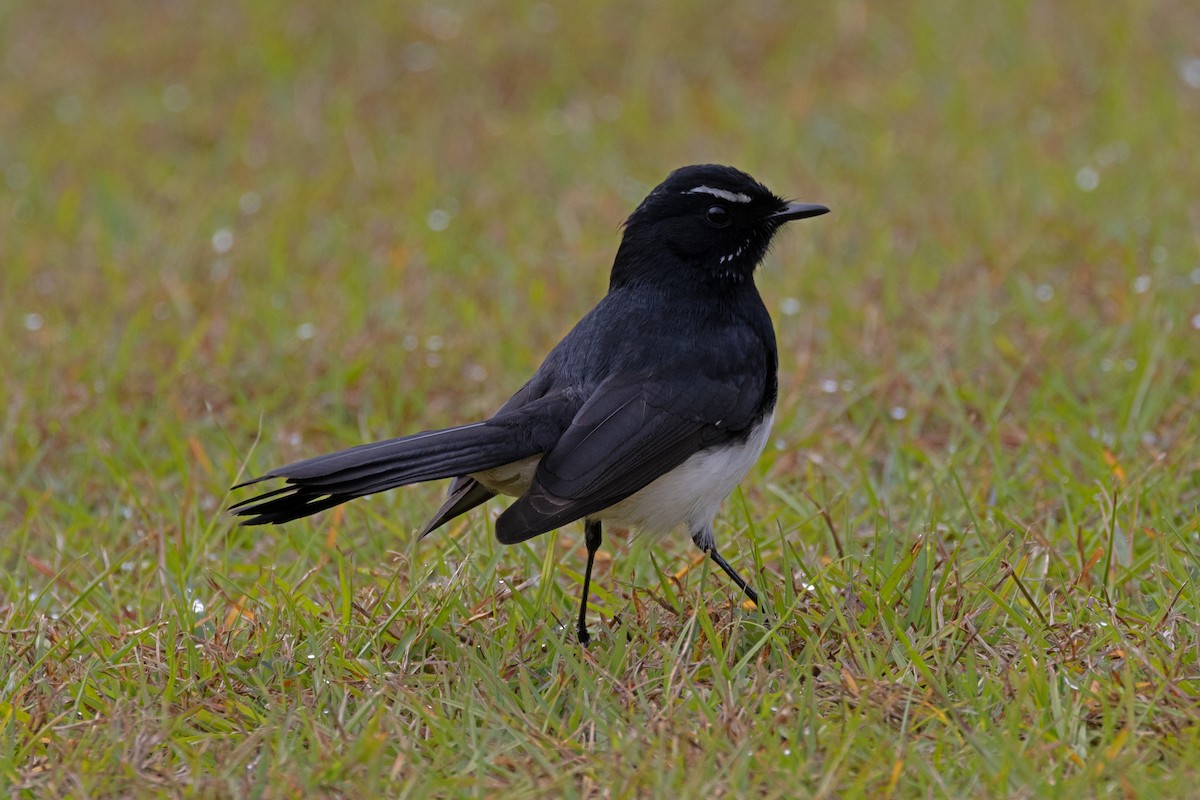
233	236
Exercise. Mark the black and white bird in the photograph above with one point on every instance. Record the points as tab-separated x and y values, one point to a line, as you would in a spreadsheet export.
645	416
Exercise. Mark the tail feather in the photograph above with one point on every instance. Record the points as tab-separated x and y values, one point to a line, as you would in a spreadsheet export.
316	484
465	493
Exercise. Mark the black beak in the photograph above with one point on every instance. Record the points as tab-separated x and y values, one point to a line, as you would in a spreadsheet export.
793	211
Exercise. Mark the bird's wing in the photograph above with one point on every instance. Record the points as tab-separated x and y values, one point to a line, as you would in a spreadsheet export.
632	430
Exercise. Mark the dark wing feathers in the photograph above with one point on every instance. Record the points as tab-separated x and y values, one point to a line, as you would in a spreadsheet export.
630	432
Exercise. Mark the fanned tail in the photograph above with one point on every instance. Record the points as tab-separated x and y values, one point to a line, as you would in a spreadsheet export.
316	484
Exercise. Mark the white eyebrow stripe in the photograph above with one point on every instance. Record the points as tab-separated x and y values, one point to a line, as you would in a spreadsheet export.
733	197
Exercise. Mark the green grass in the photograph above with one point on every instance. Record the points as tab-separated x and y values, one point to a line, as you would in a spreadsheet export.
977	532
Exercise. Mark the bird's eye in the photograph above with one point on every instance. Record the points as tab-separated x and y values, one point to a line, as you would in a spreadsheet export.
717	216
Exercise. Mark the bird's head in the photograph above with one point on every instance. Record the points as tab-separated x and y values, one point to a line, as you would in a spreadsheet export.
709	218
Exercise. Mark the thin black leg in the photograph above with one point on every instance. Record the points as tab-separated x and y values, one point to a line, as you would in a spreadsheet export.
591	538
732	573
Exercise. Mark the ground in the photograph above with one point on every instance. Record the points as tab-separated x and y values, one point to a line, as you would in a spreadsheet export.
236	235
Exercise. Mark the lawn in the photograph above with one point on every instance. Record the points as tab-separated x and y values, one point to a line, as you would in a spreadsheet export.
235	235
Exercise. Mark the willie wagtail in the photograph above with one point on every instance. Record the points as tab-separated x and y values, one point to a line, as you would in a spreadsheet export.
646	415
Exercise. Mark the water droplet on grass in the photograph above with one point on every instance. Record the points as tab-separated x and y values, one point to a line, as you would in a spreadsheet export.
34	321
1087	178
1196	322
438	219
1141	284
444	23
898	413
1044	292
829	386
1189	70
222	240
250	202
790	306
197	607
305	331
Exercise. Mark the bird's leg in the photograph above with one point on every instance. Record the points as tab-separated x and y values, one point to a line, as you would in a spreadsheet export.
732	573
591	538
704	539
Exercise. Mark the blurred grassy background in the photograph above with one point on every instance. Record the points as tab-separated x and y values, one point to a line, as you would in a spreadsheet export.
337	222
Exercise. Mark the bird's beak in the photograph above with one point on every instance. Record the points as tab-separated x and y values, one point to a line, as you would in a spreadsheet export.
798	211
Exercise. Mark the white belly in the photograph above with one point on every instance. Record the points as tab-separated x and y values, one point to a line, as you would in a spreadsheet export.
690	494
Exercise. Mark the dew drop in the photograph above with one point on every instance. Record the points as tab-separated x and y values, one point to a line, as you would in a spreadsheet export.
444	23
222	241
1189	70
250	202
1087	178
